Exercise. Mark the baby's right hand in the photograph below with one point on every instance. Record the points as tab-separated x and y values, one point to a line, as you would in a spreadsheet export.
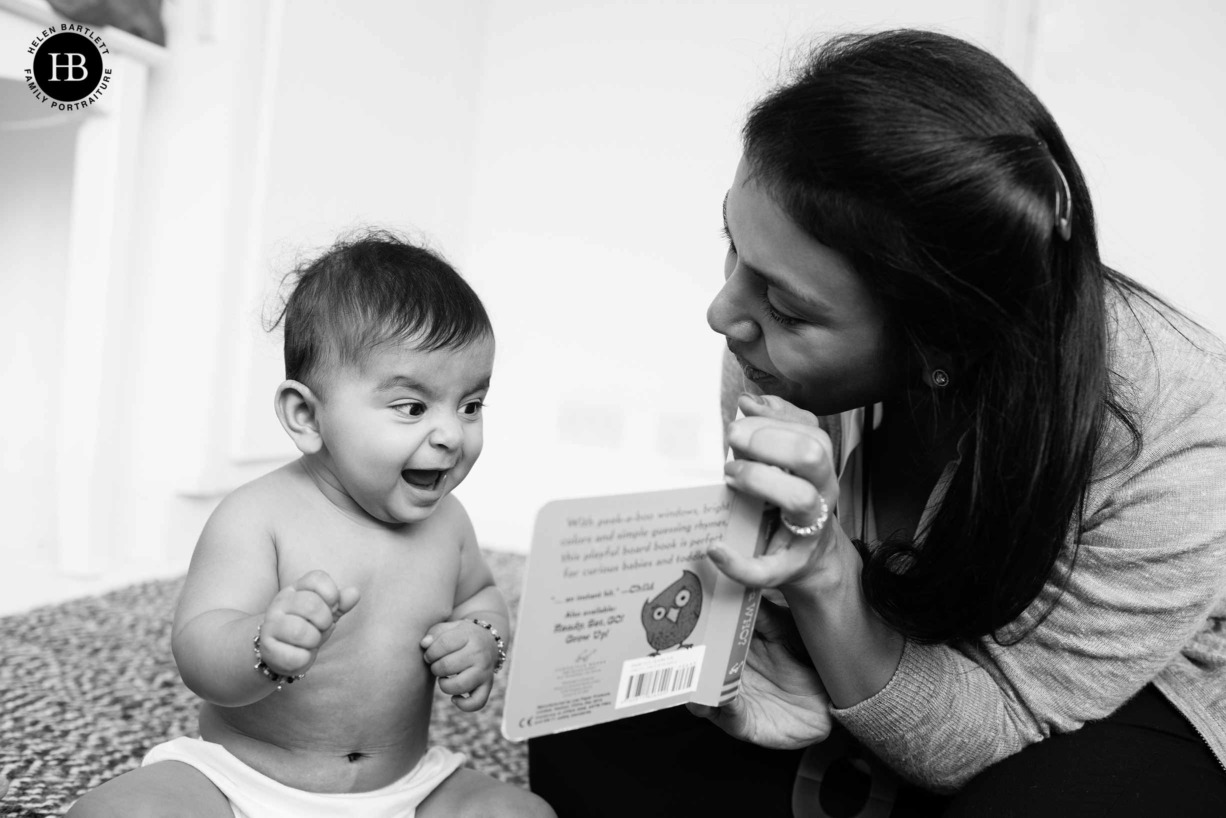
300	619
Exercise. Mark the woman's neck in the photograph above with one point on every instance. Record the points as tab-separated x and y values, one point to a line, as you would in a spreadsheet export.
917	436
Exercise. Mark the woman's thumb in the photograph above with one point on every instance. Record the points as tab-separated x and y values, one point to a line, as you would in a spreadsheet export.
726	717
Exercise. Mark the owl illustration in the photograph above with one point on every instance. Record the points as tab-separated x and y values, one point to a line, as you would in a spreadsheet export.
672	615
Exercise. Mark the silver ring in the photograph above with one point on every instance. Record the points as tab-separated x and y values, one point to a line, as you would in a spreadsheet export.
811	529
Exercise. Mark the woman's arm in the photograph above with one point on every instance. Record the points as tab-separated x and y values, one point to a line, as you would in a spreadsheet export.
1150	565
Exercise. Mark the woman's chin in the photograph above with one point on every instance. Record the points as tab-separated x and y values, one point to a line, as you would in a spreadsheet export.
771	385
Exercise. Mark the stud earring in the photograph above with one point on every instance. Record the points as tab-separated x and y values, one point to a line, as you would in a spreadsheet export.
940	378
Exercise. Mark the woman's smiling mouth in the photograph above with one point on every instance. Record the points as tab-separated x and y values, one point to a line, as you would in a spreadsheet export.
752	372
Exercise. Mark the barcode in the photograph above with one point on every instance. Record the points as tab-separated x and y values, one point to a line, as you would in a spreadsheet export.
663	682
648	678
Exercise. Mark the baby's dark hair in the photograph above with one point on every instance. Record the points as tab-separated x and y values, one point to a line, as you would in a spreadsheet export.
370	289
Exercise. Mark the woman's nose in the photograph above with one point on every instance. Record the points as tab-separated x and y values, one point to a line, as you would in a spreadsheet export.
730	312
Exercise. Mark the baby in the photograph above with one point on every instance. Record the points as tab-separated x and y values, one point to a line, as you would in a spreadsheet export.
325	598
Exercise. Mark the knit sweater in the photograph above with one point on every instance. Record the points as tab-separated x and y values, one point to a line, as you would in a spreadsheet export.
1146	601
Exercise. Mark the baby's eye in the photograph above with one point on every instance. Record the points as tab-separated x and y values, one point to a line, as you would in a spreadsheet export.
472	409
411	409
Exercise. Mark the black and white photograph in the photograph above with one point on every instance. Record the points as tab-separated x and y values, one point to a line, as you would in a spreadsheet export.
593	408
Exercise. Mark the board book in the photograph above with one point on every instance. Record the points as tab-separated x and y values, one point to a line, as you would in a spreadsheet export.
622	613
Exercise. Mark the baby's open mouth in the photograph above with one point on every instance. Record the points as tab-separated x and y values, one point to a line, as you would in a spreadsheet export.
424	478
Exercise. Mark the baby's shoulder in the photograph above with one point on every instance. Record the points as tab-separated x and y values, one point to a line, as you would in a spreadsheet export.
451	512
260	502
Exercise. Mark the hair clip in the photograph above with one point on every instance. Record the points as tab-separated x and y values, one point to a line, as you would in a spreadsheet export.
1064	209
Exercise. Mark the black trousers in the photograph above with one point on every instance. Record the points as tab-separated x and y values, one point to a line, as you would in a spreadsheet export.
667	763
1143	760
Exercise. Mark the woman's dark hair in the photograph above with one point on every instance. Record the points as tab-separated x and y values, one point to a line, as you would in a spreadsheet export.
371	289
933	169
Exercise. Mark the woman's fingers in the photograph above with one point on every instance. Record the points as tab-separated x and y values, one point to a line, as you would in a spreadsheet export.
794	447
789	465
783	458
797	497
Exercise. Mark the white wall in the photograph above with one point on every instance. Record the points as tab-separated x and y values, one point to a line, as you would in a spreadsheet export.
607	135
570	157
32	293
1138	89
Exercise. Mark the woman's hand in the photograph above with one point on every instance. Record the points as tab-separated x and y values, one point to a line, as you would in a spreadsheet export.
785	459
782	703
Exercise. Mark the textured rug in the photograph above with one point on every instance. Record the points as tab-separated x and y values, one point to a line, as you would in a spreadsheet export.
88	686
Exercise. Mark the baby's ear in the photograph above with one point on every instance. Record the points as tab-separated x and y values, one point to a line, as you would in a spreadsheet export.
298	410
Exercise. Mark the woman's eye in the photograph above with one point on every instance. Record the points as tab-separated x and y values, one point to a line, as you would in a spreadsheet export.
411	409
472	409
775	315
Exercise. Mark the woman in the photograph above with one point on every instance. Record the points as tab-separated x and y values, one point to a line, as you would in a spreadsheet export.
1021	603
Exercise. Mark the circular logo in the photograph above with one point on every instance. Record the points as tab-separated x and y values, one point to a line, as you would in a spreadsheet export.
68	67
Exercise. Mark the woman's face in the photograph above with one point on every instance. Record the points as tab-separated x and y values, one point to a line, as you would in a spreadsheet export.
799	320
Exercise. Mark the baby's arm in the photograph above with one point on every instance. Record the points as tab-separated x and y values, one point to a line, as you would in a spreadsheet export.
232	590
463	654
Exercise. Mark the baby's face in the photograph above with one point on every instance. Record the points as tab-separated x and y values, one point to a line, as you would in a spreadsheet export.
403	430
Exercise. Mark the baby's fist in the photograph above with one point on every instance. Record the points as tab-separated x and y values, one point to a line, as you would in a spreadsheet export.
300	619
463	655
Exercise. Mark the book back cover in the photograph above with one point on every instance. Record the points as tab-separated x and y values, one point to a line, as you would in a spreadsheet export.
623	614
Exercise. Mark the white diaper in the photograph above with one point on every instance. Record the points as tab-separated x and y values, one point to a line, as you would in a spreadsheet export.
255	795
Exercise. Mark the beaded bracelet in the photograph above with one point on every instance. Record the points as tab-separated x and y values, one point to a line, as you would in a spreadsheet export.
502	646
262	666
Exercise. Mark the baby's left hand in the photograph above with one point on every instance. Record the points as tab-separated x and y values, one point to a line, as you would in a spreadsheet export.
462	654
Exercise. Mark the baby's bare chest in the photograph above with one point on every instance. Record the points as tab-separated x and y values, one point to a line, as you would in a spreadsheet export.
406	581
369	691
